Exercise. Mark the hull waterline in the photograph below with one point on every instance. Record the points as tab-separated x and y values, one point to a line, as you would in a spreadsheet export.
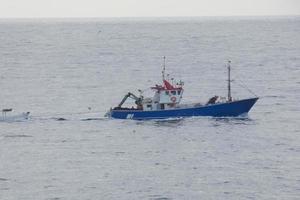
229	109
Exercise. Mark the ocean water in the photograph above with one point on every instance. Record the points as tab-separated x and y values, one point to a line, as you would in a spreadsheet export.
76	69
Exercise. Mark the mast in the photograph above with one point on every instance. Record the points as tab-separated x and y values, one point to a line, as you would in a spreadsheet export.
229	81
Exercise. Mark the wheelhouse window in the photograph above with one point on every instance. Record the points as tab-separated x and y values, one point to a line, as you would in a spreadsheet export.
178	92
167	92
173	92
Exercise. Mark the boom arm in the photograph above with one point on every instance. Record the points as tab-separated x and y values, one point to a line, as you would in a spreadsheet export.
129	94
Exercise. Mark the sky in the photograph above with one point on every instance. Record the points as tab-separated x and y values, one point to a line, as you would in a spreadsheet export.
145	8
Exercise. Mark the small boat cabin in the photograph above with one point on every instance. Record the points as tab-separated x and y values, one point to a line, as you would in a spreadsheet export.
166	96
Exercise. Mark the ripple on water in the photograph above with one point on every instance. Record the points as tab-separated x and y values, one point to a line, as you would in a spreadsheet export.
17	136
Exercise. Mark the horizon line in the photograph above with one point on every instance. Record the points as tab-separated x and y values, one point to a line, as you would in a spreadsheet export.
171	16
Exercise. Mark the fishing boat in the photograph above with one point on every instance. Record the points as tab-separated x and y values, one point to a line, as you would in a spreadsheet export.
166	103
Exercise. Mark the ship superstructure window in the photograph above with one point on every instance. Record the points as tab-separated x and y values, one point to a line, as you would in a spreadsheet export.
167	92
173	92
178	92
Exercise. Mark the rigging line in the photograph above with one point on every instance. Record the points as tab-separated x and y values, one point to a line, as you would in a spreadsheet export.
243	85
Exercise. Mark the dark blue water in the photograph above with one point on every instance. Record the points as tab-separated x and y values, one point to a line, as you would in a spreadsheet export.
77	69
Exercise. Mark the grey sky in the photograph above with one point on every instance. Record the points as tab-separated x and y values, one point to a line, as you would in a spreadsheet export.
148	8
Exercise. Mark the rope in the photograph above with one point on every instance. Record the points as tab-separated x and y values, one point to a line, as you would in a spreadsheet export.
243	85
52	115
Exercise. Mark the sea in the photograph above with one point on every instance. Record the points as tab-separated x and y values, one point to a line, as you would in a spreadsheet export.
68	72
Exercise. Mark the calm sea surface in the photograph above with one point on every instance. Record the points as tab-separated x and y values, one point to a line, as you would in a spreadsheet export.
77	69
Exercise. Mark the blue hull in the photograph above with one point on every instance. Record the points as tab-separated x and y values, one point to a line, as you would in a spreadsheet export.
229	109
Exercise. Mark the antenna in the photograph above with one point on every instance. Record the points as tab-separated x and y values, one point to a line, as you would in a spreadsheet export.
229	81
164	68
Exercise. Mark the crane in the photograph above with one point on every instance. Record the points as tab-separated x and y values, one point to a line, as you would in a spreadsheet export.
138	100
